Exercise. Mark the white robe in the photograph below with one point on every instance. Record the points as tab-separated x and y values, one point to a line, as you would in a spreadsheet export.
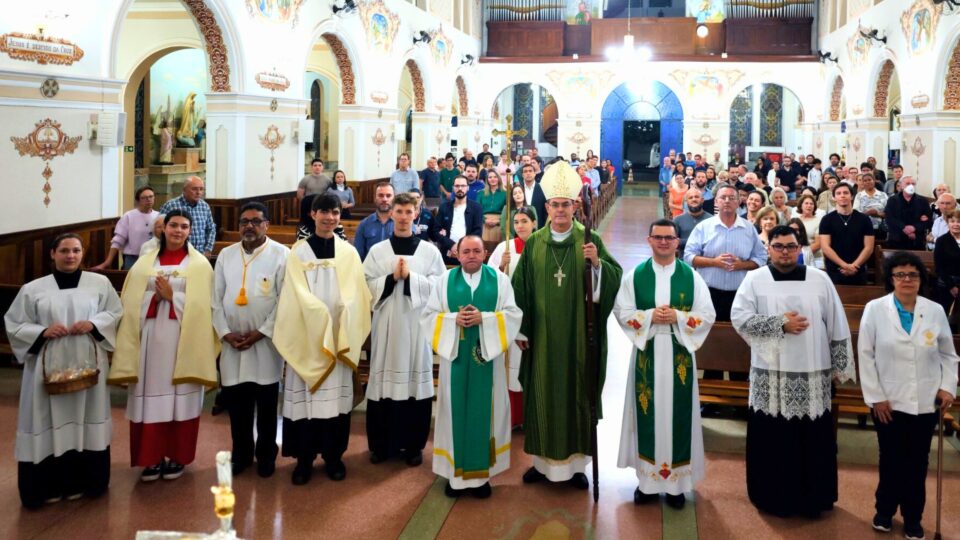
335	394
260	364
50	425
155	398
514	354
492	338
790	375
401	364
682	479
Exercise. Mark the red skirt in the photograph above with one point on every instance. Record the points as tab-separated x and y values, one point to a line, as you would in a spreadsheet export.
150	443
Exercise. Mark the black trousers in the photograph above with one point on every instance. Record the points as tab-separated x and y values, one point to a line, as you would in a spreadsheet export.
304	439
241	401
860	278
722	303
74	472
394	427
904	450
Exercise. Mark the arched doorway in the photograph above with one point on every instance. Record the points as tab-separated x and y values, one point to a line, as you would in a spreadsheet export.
640	122
529	119
326	88
765	118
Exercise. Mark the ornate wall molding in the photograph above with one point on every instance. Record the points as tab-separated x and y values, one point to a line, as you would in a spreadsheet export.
40	49
951	86
419	101
883	90
46	142
347	87
272	81
213	39
462	93
835	98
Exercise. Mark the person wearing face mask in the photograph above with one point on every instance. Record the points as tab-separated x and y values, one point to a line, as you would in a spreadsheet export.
908	218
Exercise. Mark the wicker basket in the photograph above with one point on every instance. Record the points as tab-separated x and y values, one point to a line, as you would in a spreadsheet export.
86	379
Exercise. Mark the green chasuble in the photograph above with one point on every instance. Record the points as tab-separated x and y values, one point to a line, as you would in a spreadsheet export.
471	380
681	299
553	372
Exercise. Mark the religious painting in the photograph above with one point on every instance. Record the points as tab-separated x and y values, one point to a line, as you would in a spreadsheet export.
706	11
441	47
581	82
705	86
858	47
919	24
581	12
275	11
380	24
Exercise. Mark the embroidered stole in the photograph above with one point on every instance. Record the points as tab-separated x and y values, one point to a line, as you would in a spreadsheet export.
471	380
681	298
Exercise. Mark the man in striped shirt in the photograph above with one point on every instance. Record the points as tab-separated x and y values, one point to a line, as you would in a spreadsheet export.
203	231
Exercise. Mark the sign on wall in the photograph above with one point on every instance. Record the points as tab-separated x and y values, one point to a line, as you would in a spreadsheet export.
40	49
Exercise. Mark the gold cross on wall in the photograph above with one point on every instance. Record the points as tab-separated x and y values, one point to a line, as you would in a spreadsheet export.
509	133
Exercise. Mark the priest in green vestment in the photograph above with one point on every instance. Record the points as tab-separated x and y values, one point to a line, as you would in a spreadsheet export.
549	288
665	309
471	320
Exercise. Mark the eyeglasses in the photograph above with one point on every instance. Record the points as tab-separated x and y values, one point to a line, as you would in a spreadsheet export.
658	238
255	222
906	276
564	205
781	248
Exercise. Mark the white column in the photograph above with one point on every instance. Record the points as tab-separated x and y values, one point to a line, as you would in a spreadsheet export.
368	135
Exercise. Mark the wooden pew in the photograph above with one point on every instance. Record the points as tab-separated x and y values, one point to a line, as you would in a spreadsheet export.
881	254
860	294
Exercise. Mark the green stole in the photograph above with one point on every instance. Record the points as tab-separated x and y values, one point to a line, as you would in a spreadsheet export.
681	298
471	380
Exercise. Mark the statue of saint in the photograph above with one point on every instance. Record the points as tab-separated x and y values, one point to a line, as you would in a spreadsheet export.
187	132
201	139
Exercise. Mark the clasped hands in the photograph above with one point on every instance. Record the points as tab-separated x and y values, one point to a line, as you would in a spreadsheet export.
468	316
243	340
664	315
401	271
58	330
728	262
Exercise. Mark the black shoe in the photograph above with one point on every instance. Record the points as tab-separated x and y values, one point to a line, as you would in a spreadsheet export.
336	470
533	476
452	493
302	472
482	492
217	405
883	523
150	474
376	458
579	481
676	501
238	468
172	470
414	459
640	497
913	531
265	469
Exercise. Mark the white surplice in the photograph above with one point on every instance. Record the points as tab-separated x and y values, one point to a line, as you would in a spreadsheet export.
401	363
790	374
154	398
335	394
50	425
497	328
261	363
514	354
639	328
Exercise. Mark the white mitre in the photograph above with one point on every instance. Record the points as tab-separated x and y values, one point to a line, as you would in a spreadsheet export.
561	181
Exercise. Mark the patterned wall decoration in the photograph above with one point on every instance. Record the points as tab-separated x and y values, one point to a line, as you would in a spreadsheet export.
419	101
883	90
951	87
46	142
741	121
835	96
380	24
213	43
441	47
771	115
462	94
271	140
347	88
522	107
919	25
276	12
580	82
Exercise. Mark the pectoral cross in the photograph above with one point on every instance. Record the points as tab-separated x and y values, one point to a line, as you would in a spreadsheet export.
509	132
559	275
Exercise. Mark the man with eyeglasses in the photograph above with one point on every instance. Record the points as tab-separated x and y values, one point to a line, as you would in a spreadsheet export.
795	324
549	287
247	282
723	249
664	308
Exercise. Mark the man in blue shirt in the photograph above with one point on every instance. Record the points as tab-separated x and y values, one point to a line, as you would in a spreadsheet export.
431	179
475	185
377	226
203	231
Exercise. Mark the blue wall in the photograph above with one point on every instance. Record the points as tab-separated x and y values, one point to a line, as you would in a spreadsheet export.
618	108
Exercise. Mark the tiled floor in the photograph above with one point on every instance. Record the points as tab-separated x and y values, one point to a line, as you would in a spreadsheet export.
390	500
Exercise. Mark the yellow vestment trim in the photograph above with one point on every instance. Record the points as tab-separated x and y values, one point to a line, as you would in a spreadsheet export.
437	330
502	330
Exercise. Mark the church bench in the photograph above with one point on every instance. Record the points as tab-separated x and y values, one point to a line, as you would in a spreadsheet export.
881	254
860	294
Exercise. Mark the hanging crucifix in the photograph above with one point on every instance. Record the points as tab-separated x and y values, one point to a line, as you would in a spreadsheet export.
509	133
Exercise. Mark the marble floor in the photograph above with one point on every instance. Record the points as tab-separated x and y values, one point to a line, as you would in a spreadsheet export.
391	500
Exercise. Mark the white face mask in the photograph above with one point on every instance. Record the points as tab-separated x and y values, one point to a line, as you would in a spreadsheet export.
910	190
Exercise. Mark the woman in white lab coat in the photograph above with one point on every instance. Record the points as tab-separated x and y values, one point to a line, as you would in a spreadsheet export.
907	364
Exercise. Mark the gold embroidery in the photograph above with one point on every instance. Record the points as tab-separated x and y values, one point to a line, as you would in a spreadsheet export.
929	336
